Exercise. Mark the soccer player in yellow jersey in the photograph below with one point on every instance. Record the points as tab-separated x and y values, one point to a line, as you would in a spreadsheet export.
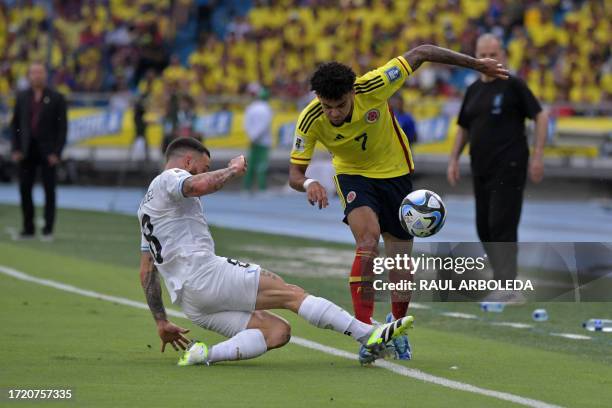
371	155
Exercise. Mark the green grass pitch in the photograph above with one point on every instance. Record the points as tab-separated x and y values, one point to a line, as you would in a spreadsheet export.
108	354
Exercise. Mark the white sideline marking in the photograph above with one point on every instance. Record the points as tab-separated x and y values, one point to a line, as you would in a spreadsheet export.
571	336
513	325
396	368
415	305
459	315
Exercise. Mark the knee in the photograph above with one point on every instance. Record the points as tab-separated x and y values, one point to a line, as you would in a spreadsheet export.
279	335
368	241
275	329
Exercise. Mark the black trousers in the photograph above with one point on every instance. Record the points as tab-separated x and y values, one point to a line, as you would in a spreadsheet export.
499	201
27	175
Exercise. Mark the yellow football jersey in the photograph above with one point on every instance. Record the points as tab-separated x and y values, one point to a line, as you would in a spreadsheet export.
371	143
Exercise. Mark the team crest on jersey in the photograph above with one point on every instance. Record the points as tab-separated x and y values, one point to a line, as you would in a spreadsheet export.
351	196
497	104
393	73
372	115
298	144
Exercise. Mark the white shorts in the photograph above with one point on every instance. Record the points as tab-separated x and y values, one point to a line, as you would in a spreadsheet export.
222	296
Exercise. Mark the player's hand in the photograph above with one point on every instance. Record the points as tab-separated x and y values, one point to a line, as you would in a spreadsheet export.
492	68
536	169
17	156
239	164
173	334
317	195
52	159
452	172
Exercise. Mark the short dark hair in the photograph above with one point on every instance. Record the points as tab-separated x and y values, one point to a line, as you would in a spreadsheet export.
179	146
332	80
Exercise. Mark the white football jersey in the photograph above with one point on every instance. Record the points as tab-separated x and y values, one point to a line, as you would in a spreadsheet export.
174	230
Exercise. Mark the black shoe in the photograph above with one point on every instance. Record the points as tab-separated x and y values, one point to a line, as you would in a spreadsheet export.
23	236
47	236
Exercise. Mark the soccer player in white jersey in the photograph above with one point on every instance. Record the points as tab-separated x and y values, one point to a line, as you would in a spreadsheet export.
216	293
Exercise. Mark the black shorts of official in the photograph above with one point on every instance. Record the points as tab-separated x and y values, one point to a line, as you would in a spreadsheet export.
383	196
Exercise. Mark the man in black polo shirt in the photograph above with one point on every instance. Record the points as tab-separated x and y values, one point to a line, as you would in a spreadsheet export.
492	120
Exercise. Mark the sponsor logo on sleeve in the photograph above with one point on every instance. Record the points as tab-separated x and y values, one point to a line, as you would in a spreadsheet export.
298	144
393	73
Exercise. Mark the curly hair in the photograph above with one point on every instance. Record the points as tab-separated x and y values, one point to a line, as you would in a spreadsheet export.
332	80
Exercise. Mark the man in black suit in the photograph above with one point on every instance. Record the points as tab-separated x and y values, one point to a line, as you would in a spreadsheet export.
39	133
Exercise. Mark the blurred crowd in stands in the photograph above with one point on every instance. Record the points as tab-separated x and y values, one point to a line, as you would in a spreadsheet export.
161	47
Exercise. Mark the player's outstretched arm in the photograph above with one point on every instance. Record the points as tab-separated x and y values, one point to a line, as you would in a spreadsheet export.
432	53
208	183
168	332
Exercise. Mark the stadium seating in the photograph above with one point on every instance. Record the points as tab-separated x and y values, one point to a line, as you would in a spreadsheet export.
561	48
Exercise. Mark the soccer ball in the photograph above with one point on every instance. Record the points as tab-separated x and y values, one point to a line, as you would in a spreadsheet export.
422	213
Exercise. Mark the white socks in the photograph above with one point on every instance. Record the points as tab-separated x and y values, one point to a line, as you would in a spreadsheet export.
322	313
247	344
317	311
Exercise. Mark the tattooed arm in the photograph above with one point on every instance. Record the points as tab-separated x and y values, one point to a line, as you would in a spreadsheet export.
432	53
207	183
149	279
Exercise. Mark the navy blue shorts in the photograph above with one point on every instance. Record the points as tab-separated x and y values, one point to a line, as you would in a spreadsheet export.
383	196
